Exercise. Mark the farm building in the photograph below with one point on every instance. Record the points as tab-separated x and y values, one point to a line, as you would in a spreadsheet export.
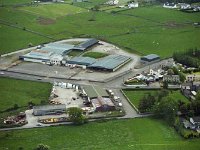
150	58
102	104
171	78
52	52
61	49
169	5
42	56
94	92
133	5
48	110
85	61
87	44
110	63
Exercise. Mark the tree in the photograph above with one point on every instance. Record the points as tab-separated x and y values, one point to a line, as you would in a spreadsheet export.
182	76
198	96
76	115
165	84
167	109
170	72
42	147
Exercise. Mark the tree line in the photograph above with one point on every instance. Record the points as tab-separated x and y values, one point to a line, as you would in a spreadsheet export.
190	58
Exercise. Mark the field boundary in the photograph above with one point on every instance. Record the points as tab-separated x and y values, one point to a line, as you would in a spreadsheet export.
130	102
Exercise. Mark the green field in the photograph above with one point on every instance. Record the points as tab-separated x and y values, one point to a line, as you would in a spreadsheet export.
21	92
145	30
135	95
51	11
95	54
140	134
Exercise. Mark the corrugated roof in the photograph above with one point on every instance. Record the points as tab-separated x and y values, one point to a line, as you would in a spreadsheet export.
151	56
110	62
95	91
38	54
86	44
82	60
58	48
49	107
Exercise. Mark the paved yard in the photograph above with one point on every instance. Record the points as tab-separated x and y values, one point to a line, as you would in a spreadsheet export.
69	97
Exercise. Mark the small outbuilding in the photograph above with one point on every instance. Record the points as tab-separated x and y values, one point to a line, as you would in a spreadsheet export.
103	104
150	58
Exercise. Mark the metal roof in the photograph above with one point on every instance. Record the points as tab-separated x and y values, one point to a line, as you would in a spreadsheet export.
58	48
110	62
49	107
38	54
151	56
86	44
82	60
95	91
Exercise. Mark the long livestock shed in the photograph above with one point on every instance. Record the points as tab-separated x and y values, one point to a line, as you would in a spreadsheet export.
86	61
48	109
110	63
58	48
83	46
37	56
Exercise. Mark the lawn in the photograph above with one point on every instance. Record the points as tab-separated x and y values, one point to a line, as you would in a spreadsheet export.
140	134
95	54
135	95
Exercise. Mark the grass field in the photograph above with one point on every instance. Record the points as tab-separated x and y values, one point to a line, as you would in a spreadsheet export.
145	30
95	54
140	134
135	95
51	11
21	92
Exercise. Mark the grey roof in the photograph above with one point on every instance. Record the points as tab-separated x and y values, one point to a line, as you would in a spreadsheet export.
95	91
49	107
82	60
151	56
86	44
110	62
38	54
58	48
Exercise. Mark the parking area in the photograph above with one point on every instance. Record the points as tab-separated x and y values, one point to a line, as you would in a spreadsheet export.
45	70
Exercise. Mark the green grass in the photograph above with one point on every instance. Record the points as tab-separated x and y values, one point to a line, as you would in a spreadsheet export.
140	134
21	92
135	95
136	29
53	10
95	54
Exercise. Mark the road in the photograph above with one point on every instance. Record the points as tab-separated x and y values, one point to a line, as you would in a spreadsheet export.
114	84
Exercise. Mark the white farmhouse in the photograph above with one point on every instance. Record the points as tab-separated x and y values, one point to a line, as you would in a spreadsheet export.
133	5
112	2
169	5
